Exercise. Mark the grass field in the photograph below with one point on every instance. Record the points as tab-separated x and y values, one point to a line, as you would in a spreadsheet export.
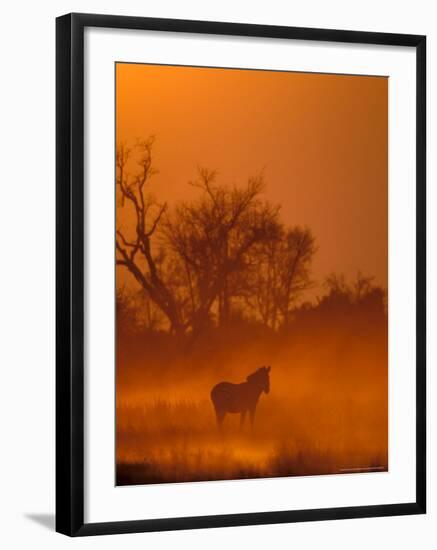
160	441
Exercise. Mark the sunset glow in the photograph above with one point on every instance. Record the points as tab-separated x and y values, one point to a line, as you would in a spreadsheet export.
252	235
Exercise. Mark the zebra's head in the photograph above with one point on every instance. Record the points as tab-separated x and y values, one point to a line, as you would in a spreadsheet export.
261	378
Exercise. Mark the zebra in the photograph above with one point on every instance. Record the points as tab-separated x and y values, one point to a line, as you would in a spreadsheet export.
240	398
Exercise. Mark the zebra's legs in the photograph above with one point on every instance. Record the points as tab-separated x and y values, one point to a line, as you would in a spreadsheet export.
220	417
242	418
252	417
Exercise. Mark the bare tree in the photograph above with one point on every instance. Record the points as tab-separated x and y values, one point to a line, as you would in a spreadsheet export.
134	250
280	274
295	258
226	247
213	236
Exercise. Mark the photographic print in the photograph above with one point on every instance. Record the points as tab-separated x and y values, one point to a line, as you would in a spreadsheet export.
251	274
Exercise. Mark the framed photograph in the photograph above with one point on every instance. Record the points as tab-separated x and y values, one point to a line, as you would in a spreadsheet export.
240	274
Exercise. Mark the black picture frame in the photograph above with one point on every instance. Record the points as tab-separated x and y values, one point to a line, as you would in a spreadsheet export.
70	273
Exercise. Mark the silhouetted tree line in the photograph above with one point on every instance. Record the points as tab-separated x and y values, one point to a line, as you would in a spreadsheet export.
225	255
355	307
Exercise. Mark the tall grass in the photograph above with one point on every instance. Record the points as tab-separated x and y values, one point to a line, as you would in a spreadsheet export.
161	441
327	410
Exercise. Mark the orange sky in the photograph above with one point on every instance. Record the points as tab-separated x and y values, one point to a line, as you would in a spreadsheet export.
321	140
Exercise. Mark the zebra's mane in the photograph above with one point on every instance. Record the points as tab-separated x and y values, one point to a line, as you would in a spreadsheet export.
255	374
